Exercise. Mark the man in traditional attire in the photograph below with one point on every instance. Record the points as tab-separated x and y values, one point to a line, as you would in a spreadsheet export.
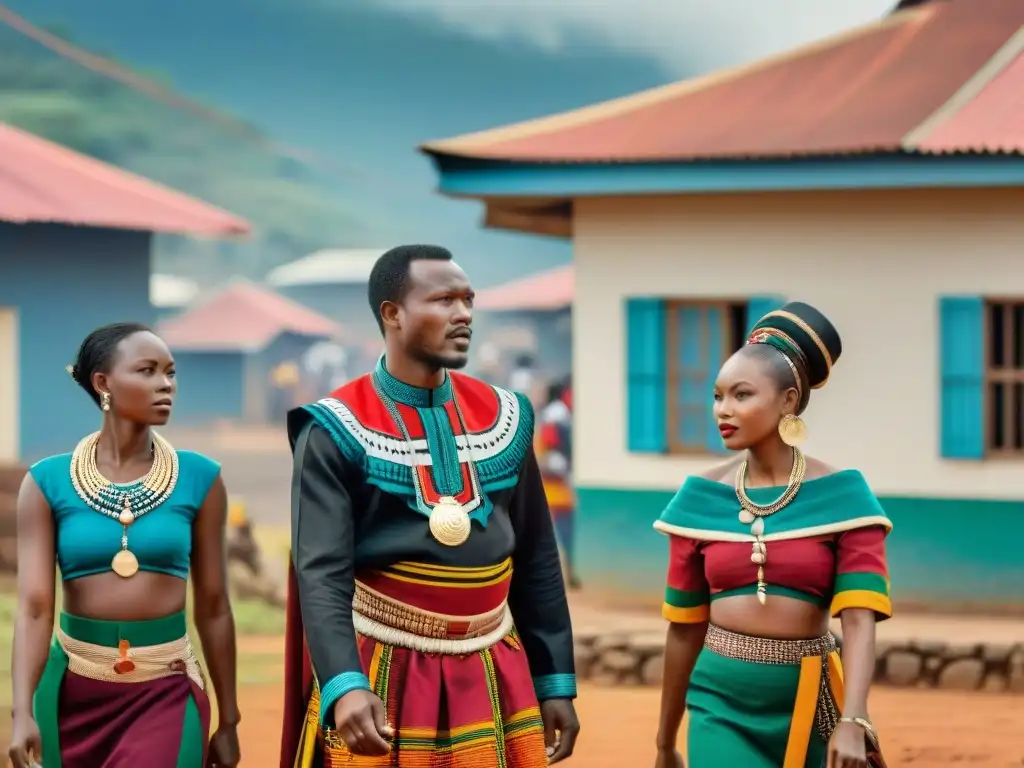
424	557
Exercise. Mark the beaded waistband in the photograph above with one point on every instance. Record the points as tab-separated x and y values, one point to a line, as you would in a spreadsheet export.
398	615
765	650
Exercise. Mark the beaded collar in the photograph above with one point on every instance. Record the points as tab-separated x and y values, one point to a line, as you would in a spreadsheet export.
406	394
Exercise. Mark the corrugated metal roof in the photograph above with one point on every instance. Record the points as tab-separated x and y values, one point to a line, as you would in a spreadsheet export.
859	92
44	182
551	289
333	266
990	117
244	317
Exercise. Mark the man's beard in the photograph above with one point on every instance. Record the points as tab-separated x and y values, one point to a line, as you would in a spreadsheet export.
443	361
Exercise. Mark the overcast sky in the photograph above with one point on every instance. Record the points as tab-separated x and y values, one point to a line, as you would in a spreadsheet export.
670	31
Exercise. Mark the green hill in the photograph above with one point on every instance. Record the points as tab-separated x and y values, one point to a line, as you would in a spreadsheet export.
293	210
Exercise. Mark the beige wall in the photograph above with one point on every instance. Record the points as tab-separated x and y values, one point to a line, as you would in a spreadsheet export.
9	357
875	263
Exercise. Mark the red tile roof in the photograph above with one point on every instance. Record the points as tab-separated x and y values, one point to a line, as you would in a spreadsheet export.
878	88
551	289
44	182
244	317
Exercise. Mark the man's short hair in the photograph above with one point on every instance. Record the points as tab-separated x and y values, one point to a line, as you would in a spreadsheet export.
389	276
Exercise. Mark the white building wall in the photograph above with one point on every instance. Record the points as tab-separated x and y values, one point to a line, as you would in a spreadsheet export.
874	263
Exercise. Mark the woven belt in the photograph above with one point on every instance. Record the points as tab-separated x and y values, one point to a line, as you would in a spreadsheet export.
765	650
394	623
131	664
391	613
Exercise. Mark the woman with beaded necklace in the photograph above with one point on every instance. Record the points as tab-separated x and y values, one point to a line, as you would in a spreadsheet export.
125	518
763	550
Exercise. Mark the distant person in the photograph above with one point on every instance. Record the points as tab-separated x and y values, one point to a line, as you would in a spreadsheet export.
763	680
324	366
126	518
285	379
555	457
426	577
522	377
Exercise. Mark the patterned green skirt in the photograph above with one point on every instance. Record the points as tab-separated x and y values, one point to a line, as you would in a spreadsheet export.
762	703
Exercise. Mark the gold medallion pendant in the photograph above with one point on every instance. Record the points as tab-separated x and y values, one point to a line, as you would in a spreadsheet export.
125	564
449	523
124	502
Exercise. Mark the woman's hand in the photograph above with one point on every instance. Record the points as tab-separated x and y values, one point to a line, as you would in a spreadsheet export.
847	747
224	751
669	758
26	745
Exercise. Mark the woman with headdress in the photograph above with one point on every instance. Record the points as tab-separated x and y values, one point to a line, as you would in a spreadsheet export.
763	550
126	518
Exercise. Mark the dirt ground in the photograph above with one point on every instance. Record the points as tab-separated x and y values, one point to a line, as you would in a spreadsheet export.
923	729
918	728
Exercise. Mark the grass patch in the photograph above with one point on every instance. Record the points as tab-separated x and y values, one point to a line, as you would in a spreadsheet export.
256	618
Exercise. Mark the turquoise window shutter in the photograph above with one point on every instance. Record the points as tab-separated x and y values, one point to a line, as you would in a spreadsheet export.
645	376
759	306
688	355
962	381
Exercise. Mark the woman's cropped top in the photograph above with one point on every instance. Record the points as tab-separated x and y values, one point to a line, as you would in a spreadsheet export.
827	546
161	539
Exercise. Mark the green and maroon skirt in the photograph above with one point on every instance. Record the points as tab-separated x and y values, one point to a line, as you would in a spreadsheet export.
112	696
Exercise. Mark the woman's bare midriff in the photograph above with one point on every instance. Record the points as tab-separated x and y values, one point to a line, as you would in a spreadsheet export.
108	597
781	618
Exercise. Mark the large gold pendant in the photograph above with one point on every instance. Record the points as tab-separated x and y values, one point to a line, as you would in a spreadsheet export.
449	522
125	564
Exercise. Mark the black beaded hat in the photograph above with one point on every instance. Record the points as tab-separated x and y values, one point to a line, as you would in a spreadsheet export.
804	335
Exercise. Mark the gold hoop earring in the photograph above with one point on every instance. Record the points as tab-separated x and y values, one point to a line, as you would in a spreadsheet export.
792	430
105	401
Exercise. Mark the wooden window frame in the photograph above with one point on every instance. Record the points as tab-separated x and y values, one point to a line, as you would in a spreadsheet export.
672	368
1007	375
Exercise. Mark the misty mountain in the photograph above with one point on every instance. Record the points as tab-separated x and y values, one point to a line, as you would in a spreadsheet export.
362	87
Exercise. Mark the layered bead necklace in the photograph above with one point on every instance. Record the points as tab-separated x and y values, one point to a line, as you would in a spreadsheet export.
753	514
124	502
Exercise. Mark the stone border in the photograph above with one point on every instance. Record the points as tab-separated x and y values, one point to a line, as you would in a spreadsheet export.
638	659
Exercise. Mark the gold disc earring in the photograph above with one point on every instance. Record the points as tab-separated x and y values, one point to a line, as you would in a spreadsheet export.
105	401
792	430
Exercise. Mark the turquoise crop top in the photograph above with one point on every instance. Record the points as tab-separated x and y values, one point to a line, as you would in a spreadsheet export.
161	539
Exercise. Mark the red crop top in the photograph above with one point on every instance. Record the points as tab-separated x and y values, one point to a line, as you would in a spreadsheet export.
847	569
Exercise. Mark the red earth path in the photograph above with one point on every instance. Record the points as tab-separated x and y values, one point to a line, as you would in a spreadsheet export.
919	728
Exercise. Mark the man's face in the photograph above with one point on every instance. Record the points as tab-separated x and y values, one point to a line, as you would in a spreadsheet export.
435	317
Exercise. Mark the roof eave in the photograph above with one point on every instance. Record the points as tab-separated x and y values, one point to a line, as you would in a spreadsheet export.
493	180
553	222
235	229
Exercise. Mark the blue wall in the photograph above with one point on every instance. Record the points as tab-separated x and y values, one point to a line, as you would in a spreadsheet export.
211	385
65	281
942	552
233	386
345	303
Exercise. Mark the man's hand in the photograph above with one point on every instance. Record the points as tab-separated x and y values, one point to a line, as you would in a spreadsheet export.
360	721
561	727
